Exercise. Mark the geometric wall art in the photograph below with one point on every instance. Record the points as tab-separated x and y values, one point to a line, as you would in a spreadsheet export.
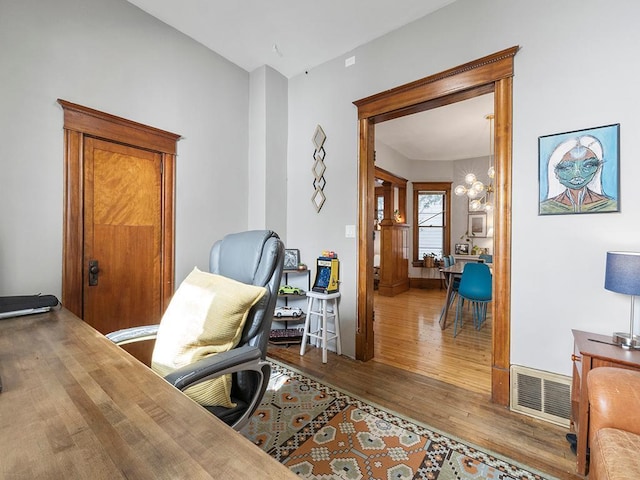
318	168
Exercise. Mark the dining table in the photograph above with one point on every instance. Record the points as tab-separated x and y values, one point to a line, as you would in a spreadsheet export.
451	273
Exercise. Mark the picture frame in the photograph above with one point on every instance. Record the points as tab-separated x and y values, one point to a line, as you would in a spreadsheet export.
291	258
579	171
461	249
477	226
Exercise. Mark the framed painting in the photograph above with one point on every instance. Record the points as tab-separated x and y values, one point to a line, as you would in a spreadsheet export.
291	258
461	249
579	171
477	224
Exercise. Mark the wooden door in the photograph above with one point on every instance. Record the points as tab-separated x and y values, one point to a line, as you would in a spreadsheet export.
118	211
122	235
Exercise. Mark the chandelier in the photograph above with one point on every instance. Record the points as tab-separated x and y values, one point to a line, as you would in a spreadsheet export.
480	194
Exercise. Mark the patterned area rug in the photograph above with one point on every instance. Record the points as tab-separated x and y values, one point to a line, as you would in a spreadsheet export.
321	433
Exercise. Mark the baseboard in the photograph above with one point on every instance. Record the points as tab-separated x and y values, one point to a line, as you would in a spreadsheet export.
394	289
426	283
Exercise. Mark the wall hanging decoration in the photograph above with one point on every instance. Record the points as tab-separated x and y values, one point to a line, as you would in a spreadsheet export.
477	224
579	171
318	169
461	249
291	258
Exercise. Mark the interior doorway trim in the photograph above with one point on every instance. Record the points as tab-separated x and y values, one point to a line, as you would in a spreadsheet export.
81	122
493	73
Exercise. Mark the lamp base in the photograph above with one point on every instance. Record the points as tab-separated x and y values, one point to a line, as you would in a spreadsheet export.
625	341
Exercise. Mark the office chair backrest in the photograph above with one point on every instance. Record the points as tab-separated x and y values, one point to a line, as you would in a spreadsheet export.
254	257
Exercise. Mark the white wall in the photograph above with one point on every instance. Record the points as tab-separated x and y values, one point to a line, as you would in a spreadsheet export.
111	56
267	175
257	148
275	199
576	69
565	79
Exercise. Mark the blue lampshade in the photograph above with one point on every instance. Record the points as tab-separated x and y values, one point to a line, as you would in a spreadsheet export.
622	274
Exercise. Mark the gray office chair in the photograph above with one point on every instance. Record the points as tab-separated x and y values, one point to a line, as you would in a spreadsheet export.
255	258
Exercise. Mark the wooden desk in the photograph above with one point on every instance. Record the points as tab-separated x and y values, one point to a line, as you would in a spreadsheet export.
74	405
592	350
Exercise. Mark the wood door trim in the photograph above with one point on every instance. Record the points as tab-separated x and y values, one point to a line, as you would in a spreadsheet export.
492	73
104	125
382	174
477	73
81	122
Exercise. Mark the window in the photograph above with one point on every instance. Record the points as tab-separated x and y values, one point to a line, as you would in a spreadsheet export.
431	219
379	208
430	223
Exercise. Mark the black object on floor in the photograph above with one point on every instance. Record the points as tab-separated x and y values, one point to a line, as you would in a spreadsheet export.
573	443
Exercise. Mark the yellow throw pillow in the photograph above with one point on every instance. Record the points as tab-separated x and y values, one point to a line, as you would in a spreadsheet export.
205	316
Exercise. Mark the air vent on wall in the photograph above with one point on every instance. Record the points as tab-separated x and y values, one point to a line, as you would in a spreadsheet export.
540	394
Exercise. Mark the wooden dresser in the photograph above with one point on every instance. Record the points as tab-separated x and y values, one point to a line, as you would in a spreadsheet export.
592	350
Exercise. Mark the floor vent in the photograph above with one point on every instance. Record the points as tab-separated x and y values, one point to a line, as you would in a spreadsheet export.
542	395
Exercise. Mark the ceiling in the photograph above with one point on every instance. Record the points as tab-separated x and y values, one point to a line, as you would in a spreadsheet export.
292	36
453	132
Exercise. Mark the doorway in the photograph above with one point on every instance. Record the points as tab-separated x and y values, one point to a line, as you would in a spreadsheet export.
442	143
493	73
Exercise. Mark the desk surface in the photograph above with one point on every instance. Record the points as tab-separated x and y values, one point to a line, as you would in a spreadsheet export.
74	405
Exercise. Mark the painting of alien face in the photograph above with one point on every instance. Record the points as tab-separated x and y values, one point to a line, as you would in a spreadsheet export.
579	171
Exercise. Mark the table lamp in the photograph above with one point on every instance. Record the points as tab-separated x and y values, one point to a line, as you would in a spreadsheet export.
622	275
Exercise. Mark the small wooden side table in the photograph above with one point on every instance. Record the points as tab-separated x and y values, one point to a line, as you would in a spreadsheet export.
592	350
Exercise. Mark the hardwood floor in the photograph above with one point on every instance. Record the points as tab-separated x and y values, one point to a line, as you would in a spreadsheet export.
421	372
408	336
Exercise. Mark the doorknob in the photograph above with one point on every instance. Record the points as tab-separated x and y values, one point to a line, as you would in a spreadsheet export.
94	269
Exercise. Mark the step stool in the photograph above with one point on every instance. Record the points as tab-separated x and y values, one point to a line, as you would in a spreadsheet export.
326	306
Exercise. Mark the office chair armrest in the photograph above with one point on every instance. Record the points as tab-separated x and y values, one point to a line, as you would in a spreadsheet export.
133	334
234	360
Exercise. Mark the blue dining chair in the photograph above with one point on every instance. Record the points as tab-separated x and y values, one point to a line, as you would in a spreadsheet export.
443	277
448	262
475	286
486	258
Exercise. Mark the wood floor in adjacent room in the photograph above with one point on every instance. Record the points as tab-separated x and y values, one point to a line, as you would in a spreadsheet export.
422	372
